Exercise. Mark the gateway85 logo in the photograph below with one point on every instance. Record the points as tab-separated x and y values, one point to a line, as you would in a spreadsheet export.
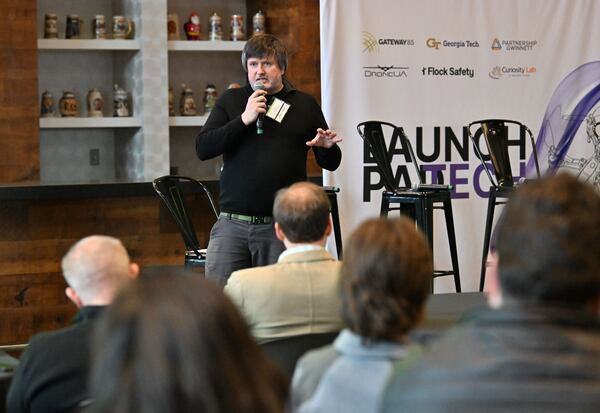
371	44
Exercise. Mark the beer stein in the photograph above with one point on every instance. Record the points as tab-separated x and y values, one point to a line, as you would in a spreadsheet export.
172	27
99	27
258	23
210	97
74	24
50	26
216	28
187	105
47	105
68	104
95	102
237	27
120	102
122	27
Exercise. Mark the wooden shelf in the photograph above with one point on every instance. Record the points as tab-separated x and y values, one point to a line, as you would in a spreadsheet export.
205	46
88	44
106	122
187	120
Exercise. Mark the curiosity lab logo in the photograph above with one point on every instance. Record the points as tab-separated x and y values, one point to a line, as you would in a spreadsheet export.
513	45
498	72
448	71
371	43
433	43
385	71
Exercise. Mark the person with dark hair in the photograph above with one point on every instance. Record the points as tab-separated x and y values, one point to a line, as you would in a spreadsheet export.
52	373
177	344
264	131
385	281
298	294
537	348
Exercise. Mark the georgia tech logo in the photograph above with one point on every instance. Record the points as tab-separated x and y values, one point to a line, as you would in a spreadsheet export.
385	71
432	43
369	43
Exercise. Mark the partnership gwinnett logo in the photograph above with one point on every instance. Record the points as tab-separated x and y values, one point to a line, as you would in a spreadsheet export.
498	72
513	45
385	71
433	43
448	71
371	43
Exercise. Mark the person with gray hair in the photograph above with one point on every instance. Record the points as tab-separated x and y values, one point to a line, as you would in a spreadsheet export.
298	294
52	373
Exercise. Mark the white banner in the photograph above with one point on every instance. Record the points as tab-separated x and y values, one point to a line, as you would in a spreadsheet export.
432	67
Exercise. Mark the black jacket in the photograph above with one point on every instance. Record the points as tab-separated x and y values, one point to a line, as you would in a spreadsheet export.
53	371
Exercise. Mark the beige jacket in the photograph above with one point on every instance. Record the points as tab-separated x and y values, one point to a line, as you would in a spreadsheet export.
298	295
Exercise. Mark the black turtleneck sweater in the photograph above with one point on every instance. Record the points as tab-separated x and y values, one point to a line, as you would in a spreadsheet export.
256	166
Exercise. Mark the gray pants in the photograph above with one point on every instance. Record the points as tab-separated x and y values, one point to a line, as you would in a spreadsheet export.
235	245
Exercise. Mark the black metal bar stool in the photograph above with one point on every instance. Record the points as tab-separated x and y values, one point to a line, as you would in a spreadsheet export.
335	217
495	133
418	202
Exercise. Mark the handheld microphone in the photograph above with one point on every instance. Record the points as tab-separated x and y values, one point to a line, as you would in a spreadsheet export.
258	85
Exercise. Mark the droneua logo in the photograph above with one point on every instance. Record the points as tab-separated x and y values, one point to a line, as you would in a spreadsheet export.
369	43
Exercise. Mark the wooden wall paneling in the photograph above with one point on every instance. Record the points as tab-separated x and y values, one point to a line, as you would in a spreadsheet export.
35	235
19	111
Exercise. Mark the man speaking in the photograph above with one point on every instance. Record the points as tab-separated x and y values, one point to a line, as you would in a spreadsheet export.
258	160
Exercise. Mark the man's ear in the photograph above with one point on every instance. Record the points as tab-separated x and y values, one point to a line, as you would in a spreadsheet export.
493	290
134	270
72	295
329	227
279	232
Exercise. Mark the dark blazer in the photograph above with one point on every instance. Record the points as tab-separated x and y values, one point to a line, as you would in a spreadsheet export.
52	373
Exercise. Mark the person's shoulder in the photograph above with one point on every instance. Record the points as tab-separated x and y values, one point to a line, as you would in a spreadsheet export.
318	357
252	274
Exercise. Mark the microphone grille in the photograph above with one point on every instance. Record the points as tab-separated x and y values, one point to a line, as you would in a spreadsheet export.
258	85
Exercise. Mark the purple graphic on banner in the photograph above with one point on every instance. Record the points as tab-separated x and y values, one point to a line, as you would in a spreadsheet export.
581	91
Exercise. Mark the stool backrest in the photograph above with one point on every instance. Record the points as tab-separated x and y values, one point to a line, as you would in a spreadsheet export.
495	133
172	189
374	134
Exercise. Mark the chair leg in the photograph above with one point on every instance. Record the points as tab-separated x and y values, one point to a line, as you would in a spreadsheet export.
385	206
452	242
486	237
335	217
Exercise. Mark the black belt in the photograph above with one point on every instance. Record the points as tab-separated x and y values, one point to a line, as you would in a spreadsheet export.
250	219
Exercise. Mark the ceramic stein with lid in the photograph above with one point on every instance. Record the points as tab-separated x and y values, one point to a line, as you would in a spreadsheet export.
68	104
120	102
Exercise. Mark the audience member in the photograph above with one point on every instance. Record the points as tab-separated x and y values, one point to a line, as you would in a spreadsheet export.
538	347
298	294
52	373
177	344
385	281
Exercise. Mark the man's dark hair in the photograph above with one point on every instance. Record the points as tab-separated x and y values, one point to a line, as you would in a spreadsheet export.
386	278
265	45
549	242
302	211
